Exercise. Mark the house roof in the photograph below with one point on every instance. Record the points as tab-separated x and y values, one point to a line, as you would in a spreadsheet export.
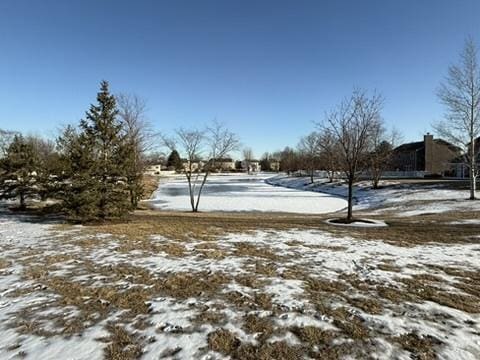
223	160
411	146
419	145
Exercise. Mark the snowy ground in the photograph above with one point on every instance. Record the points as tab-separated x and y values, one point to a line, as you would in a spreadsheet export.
404	199
193	287
241	285
243	192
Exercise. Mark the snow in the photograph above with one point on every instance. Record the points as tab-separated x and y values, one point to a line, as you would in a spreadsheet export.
244	192
323	255
405	199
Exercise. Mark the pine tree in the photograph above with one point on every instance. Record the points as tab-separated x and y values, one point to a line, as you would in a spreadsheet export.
78	190
174	161
18	171
96	163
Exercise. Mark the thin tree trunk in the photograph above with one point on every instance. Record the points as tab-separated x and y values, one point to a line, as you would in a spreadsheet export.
191	193
200	190
472	170
350	199
22	201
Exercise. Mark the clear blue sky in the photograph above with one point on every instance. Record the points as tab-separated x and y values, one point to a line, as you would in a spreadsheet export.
268	69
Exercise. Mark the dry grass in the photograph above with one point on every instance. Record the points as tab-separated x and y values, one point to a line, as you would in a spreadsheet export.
186	285
226	343
421	347
245	249
223	341
422	229
313	336
122	345
343	301
201	226
262	326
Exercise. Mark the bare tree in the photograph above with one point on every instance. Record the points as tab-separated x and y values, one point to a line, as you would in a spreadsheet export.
140	137
383	144
329	153
352	124
288	158
212	144
248	157
460	93
309	149
6	138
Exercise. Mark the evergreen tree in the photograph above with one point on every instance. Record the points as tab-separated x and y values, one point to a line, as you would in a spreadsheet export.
96	163
47	167
79	187
18	171
174	161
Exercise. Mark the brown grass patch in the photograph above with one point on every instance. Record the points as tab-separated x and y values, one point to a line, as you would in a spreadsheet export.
246	249
421	347
279	350
185	285
421	229
251	280
265	268
369	305
223	341
122	345
257	301
213	317
427	290
211	250
313	335
258	325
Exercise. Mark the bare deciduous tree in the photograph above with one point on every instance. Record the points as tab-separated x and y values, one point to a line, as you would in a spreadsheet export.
383	144
248	157
211	144
6	138
460	93
309	148
352	124
329	153
139	136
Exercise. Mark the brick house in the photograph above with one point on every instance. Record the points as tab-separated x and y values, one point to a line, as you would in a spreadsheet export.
432	156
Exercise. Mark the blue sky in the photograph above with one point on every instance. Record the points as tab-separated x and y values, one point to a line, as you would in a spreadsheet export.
268	69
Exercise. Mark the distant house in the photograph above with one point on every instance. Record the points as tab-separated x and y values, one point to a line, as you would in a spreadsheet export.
224	164
155	169
431	156
196	165
251	165
274	165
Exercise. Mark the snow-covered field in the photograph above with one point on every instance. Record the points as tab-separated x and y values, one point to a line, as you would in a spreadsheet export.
243	192
76	292
404	199
248	286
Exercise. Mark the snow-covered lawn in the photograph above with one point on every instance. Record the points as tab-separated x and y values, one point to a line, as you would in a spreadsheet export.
244	192
401	198
215	286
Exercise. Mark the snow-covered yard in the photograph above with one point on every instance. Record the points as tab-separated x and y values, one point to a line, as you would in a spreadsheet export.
243	192
242	286
395	196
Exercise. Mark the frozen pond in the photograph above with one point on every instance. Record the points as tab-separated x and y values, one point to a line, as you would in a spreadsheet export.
241	192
